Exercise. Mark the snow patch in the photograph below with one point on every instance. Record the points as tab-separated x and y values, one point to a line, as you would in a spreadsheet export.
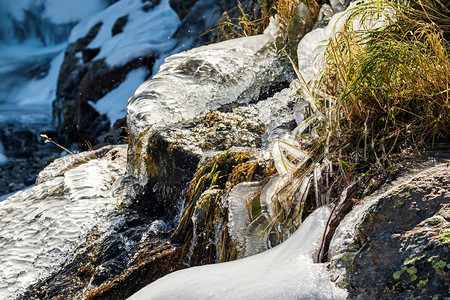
284	272
144	32
114	104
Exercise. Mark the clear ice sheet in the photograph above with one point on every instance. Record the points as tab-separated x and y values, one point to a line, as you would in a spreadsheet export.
286	271
44	223
193	83
238	217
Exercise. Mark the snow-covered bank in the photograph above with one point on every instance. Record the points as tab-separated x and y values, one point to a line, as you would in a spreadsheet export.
284	272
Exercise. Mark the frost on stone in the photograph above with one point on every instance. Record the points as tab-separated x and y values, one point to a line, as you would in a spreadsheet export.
284	272
41	225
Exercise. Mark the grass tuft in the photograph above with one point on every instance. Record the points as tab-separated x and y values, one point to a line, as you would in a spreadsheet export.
389	86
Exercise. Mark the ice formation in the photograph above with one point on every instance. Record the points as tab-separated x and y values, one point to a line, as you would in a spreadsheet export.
192	83
284	272
44	223
238	217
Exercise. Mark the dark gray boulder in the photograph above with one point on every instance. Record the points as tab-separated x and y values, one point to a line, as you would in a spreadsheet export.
396	245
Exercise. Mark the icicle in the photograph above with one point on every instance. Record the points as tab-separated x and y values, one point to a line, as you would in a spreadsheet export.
283	164
317	174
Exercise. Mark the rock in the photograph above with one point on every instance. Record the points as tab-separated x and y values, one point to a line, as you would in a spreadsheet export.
208	228
27	155
182	7
103	51
395	245
113	262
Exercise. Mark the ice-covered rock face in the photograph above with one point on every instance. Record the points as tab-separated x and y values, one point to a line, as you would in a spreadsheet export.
44	223
192	83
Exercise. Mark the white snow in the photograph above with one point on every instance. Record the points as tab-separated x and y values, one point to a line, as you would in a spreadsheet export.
284	272
145	32
114	104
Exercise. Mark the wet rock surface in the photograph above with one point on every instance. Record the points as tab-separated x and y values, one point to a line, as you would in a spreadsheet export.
396	245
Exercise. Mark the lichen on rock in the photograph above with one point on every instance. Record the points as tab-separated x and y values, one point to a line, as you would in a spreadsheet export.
395	245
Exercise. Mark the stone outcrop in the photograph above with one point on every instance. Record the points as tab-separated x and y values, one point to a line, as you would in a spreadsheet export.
396	245
84	78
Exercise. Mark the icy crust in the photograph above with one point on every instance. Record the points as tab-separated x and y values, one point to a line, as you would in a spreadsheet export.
147	30
311	49
42	224
238	216
193	83
312	46
284	272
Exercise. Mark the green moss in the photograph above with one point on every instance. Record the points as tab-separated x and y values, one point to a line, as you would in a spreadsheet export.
437	263
412	260
434	221
369	216
412	271
348	256
398	274
444	234
422	283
